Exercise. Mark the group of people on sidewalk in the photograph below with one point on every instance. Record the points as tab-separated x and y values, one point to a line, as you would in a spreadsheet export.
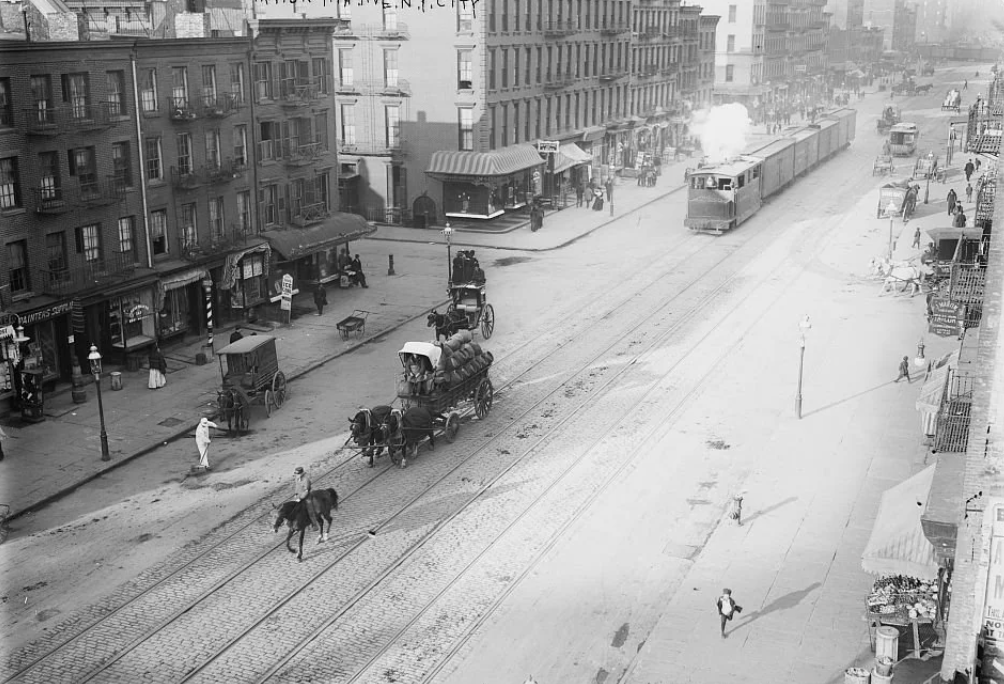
590	193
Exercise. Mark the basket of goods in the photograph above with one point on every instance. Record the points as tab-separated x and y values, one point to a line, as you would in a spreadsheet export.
462	359
903	598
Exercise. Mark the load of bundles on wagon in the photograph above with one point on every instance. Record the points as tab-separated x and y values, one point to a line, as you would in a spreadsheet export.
441	366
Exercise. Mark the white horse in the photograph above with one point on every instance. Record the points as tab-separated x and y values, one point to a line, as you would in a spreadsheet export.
907	275
883	266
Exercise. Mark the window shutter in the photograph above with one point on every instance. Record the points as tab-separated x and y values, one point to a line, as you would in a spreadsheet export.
283	194
65	83
78	233
71	161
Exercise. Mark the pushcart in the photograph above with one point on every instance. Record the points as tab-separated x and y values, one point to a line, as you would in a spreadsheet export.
353	325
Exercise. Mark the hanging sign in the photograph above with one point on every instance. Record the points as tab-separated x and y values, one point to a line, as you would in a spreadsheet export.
992	670
547	146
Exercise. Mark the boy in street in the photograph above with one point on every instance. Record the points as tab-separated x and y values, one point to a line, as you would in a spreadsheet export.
320	298
969	192
727	608
904	369
916	238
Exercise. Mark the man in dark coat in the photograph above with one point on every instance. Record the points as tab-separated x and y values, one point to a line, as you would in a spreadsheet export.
580	192
969	168
236	335
952	199
320	298
610	188
357	266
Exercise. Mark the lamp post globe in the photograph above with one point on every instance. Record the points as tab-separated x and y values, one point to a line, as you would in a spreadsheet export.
95	360
804	326
448	233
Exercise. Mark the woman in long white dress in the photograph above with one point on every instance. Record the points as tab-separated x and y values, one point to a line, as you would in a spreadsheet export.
158	367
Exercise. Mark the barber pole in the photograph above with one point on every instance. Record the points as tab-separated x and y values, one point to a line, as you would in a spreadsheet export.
207	287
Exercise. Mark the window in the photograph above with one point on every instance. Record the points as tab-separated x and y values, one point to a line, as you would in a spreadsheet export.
321	130
10	186
116	93
465	16
465	71
122	163
320	187
244	211
189	230
345	67
148	89
492	10
83	166
732	14
241	145
392	115
55	256
390	67
268	134
491	68
505	67
515	122
77	93
48	182
158	231
504	129
154	161
389	17
237	87
6	103
264	90
209	85
526	121
540	53
730	43
184	153
17	269
729	72
127	237
213	157
179	87
465	115
528	58
268	196
216	217
89	242
491	132
321	69
515	67
348	120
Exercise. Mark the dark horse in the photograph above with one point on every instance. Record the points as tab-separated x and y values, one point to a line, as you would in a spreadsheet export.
368	430
295	515
446	324
406	430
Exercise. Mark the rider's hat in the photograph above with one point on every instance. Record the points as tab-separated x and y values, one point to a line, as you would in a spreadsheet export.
299	470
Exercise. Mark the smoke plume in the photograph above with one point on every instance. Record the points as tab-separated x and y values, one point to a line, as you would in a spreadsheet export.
722	130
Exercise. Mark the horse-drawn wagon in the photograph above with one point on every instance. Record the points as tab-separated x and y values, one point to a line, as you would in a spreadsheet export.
883	165
952	101
926	166
903	139
249	369
891	115
469	308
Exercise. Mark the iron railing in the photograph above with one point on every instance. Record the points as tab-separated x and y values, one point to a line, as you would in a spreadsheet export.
220	105
187	178
88	276
58	120
295	92
309	214
230	237
54	199
98	192
181	108
303	155
396	148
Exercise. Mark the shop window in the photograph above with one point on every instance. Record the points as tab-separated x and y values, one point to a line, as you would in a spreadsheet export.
130	320
17	266
252	278
175	316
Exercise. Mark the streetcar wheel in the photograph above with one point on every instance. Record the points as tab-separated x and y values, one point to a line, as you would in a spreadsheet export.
483	397
452	427
279	388
488	321
269	398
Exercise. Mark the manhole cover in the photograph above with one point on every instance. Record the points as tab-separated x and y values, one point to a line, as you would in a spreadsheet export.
170	422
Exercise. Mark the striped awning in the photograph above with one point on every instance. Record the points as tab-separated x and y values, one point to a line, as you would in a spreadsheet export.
897	545
496	163
569	155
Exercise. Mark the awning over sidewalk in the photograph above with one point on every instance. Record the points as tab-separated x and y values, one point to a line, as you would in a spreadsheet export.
294	243
448	164
944	509
897	545
929	401
593	133
569	155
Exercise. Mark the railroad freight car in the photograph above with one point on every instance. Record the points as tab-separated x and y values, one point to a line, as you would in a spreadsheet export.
722	196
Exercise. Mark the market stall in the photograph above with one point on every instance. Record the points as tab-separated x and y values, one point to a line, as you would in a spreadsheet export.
901	601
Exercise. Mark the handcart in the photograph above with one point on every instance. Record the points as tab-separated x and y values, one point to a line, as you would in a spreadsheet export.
883	165
353	325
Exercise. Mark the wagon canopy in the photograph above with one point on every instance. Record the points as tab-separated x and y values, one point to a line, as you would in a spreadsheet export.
246	344
426	349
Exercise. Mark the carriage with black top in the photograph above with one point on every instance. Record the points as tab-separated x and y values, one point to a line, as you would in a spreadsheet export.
469	308
250	374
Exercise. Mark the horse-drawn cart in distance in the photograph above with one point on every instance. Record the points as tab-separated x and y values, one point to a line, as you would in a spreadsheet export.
903	139
249	369
891	115
883	165
470	309
926	166
952	101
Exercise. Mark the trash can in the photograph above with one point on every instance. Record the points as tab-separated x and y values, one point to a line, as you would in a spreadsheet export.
881	678
856	675
116	380
887	643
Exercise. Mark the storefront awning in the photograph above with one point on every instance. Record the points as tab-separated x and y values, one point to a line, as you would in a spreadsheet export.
897	545
929	401
944	509
569	155
508	160
294	243
231	267
593	133
951	233
183	278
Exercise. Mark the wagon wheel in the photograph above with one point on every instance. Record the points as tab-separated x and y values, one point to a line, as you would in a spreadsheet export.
241	410
488	321
483	396
452	426
268	401
279	388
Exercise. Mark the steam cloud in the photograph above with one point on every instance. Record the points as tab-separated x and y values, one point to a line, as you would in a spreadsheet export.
723	130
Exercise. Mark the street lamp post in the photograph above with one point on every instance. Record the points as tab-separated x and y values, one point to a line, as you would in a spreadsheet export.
448	232
920	361
804	325
891	212
95	358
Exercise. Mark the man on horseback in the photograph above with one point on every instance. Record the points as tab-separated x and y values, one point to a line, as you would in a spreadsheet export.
301	493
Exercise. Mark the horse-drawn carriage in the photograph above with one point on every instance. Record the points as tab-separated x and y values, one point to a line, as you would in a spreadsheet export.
926	166
901	196
952	101
469	308
250	373
891	115
883	165
903	139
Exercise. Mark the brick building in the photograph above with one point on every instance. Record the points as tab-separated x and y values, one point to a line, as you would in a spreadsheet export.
704	95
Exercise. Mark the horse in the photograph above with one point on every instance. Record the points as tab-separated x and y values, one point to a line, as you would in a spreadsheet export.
230	408
367	431
445	324
294	513
883	265
406	429
908	275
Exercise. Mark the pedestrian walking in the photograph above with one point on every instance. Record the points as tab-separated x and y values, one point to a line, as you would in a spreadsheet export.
609	185
727	608
301	492
236	335
357	268
158	368
969	192
580	192
952	199
597	200
965	84
916	238
969	168
202	440
960	218
977	163
320	298
904	369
